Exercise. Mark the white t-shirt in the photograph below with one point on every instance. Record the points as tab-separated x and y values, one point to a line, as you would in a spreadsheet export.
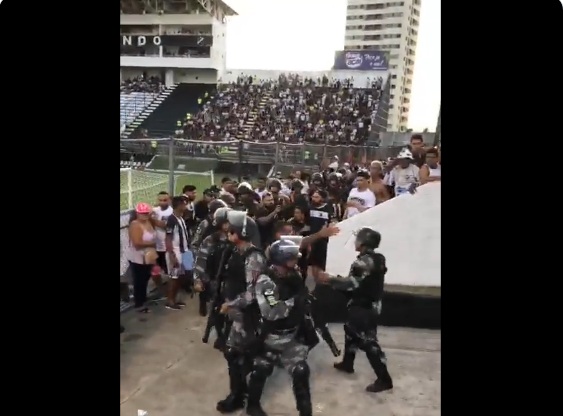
402	179
365	198
161	215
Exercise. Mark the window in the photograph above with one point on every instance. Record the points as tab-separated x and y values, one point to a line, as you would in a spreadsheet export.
393	76
391	106
375	6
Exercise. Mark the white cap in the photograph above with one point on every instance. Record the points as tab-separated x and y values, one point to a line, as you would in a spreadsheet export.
404	154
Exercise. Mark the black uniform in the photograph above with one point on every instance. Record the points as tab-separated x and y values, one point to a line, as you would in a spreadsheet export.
320	217
364	286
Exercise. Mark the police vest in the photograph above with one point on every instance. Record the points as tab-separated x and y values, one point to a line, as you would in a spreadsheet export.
288	287
217	259
235	282
370	289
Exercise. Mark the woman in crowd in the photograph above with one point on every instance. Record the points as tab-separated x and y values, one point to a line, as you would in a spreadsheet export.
141	253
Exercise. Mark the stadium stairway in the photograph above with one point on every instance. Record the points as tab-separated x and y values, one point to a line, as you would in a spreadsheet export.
253	115
182	100
159	99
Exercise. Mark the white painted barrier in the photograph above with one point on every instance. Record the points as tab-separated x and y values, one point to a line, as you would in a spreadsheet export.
410	227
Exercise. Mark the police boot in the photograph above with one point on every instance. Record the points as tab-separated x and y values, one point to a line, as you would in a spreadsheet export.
301	389
255	388
237	384
376	358
219	343
347	363
261	370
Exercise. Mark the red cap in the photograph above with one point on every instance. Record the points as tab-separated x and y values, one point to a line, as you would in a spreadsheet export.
143	208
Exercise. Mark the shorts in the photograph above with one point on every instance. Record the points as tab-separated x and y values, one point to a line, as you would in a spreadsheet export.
161	261
174	272
317	255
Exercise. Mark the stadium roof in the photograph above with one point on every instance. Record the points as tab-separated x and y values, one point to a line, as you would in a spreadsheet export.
228	9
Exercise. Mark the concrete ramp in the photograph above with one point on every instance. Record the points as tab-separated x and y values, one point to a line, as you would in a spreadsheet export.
167	371
410	226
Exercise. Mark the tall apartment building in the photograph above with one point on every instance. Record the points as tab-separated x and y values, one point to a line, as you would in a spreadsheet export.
390	26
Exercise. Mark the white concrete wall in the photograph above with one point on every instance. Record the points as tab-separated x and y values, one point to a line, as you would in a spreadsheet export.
410	227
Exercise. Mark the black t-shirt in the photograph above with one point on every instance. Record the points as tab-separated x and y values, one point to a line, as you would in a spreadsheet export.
201	210
320	217
266	230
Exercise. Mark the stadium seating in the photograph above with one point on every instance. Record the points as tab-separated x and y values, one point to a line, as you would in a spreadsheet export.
132	104
162	122
290	109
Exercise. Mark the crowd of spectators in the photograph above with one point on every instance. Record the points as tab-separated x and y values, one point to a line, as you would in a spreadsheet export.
290	109
151	84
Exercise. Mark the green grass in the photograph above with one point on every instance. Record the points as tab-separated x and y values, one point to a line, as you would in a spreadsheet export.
148	193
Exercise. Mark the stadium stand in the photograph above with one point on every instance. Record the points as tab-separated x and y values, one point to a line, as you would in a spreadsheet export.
135	96
290	109
182	100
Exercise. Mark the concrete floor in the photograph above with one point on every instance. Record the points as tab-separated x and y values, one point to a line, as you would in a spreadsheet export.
167	371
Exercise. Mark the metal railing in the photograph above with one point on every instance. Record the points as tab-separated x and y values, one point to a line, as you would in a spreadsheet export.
274	153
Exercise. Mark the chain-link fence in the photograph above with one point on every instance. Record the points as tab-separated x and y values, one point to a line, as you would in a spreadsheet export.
178	151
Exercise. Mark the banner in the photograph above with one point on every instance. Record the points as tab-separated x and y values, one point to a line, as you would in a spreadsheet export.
167	40
361	60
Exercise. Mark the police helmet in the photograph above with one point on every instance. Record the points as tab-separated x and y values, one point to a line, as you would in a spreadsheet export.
215	205
317	178
368	238
242	225
282	251
220	215
333	176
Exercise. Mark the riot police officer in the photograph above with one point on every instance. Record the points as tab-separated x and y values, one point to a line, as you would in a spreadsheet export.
205	228
281	296
210	261
245	264
364	285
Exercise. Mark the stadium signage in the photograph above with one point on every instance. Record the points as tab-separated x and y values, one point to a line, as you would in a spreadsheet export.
167	40
140	40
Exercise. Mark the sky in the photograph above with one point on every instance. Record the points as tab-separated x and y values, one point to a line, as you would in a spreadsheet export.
302	35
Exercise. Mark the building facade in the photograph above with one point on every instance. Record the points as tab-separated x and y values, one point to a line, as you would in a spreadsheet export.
391	26
176	40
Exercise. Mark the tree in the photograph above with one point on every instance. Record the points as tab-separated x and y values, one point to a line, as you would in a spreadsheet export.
425	130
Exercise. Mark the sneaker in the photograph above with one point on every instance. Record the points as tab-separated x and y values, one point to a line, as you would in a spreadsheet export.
173	307
181	304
